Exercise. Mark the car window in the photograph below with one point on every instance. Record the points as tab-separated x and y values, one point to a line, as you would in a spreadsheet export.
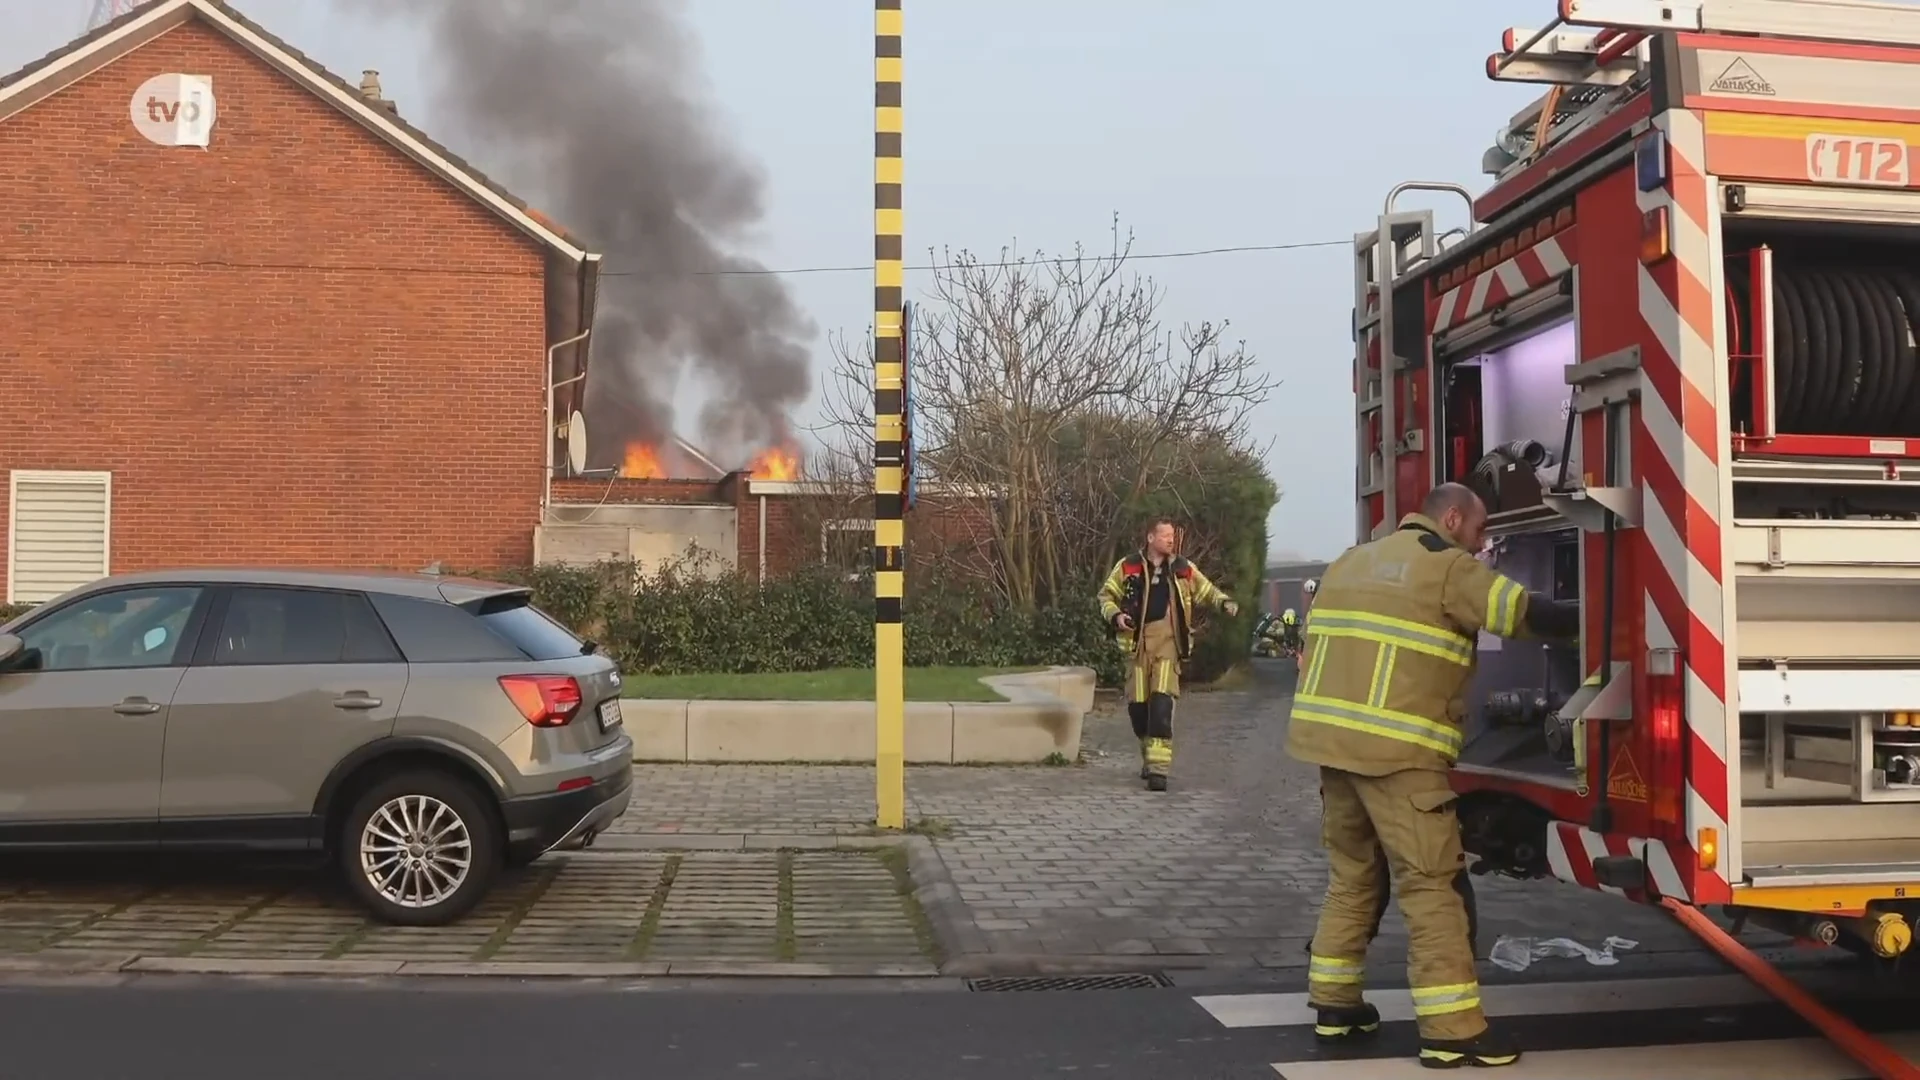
367	639
300	626
125	628
536	634
434	632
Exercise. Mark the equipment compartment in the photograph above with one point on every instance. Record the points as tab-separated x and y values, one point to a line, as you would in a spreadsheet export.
1505	419
1517	698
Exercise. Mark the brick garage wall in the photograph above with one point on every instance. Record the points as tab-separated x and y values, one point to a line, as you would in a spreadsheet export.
296	347
793	537
939	529
577	491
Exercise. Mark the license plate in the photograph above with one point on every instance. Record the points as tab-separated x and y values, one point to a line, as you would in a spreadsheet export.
610	714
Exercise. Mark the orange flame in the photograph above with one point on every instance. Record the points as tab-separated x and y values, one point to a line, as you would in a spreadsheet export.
776	463
642	463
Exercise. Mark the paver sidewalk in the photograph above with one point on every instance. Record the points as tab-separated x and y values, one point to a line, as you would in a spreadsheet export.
1081	867
646	912
1073	868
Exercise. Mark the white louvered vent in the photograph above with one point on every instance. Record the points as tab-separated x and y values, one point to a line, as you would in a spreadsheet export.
58	529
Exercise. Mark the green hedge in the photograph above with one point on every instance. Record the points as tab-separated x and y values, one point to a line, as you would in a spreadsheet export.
679	620
9	611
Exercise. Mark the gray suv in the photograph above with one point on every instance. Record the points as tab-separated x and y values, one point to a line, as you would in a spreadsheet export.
421	730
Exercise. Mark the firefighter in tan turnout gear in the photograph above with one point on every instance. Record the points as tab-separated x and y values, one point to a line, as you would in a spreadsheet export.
1390	649
1148	600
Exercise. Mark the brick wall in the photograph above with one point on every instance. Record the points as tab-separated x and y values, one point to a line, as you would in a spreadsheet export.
295	347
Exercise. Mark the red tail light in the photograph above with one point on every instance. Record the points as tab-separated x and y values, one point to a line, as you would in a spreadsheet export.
545	700
1666	695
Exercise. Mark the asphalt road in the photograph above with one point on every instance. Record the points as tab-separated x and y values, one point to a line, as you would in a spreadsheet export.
291	1030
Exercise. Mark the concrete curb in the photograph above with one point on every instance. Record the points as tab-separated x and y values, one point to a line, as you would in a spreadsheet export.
939	898
1041	716
629	842
134	964
987	965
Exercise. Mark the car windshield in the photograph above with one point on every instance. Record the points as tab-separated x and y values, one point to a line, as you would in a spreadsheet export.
529	628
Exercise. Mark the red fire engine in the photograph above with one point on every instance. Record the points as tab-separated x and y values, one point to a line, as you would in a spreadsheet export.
1675	352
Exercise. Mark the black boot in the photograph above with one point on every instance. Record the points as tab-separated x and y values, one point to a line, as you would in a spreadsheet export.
1156	781
1487	1050
1332	1025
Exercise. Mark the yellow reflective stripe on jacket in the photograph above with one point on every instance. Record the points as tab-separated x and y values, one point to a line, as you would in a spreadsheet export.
1371	720
1387	630
1503	607
1315	662
1382	676
1326	969
1439	1000
1111	591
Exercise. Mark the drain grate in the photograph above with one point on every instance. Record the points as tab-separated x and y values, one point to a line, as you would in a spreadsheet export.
1074	982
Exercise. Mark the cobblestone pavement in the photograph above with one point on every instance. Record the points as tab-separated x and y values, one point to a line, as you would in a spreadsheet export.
1225	870
684	910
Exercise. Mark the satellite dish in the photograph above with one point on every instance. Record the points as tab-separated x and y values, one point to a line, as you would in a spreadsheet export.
577	443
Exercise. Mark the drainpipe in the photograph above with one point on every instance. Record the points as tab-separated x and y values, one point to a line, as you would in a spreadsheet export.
763	539
546	496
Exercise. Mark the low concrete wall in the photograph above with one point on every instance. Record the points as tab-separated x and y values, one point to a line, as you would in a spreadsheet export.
1041	717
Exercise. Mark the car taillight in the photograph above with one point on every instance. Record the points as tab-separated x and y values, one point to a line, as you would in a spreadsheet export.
545	700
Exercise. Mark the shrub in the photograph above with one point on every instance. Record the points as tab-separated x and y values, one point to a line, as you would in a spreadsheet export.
10	612
686	617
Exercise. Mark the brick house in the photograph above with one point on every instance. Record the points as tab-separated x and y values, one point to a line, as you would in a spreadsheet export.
765	528
1283	584
315	338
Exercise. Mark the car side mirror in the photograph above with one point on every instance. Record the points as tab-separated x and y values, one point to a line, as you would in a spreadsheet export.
10	649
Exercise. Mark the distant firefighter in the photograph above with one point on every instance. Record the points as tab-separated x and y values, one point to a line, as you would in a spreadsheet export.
1148	601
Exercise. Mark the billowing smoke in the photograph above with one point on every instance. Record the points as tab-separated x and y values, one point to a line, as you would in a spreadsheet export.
594	109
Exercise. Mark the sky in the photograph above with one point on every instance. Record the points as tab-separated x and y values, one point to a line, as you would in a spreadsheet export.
1202	124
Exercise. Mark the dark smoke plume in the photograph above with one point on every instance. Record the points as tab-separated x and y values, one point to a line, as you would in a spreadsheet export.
595	107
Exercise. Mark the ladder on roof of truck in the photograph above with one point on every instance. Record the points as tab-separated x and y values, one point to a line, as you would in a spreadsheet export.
1593	69
1873	22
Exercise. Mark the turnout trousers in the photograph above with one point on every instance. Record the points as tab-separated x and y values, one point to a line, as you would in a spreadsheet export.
1404	822
1153	685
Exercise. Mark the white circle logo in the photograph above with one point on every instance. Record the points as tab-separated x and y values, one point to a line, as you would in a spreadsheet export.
174	110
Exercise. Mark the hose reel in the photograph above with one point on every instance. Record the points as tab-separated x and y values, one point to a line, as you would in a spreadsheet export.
1843	348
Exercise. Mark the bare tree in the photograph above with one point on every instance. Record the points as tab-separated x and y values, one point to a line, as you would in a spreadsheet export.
1052	384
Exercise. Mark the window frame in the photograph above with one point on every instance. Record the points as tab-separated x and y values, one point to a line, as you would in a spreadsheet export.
15	476
184	654
847	525
204	653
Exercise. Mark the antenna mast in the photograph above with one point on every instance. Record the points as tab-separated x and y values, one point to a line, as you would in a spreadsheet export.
105	11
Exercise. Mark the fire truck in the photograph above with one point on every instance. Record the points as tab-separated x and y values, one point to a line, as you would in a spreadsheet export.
1675	351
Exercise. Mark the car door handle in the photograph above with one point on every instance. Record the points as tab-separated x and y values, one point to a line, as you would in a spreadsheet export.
136	706
356	701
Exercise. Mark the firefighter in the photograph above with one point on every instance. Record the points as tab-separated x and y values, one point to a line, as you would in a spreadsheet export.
1148	602
1290	629
1390	650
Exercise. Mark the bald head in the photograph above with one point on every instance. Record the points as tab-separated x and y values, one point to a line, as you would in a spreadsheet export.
1459	512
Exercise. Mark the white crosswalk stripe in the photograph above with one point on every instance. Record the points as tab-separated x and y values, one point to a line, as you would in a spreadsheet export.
1535	999
1750	1059
1753	1059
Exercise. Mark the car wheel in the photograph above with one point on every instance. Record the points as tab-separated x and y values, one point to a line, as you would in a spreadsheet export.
420	849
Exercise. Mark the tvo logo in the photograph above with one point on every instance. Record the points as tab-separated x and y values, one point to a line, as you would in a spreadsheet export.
174	110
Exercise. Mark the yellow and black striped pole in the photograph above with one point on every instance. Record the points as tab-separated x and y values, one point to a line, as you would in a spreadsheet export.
889	526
